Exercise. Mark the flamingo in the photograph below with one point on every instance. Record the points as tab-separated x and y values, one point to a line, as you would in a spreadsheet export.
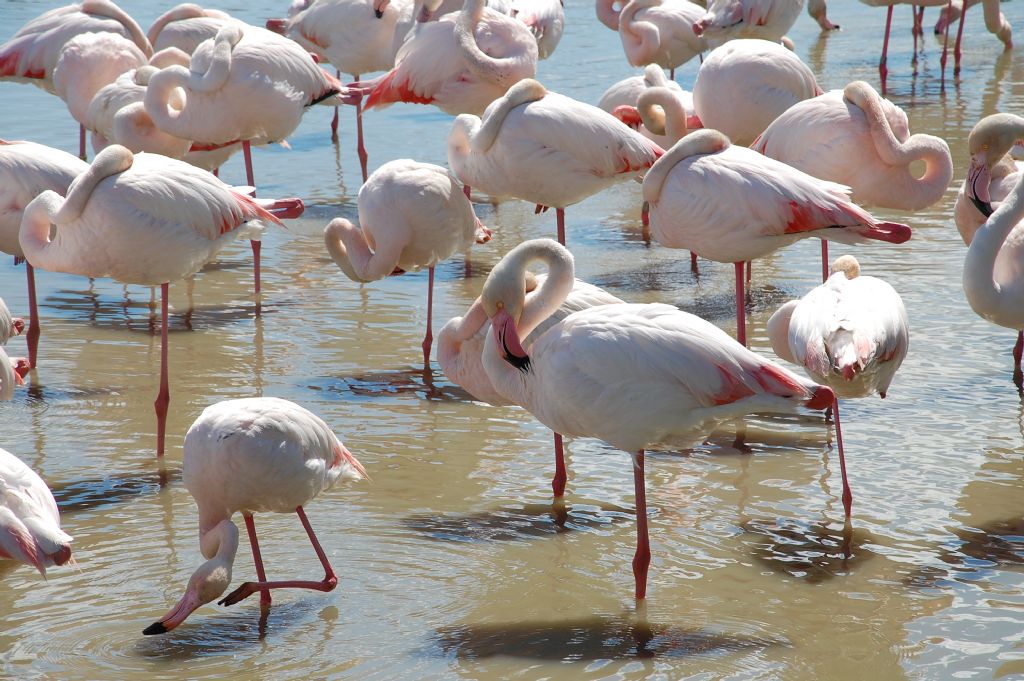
141	219
29	520
251	455
246	85
626	91
857	138
31	54
818	10
10	325
12	374
995	22
461	341
460	63
655	31
412	215
545	19
185	26
850	333
630	375
26	170
992	173
731	204
545	148
730	19
745	84
993	276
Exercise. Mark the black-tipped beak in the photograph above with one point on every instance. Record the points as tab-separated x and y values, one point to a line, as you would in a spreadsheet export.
378	13
154	629
983	207
521	363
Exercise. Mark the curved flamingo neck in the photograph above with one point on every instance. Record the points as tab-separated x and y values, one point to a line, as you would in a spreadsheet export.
349	250
107	9
523	92
778	331
219	542
459	330
654	76
179	13
662	113
607	14
482	65
707	141
988	297
640	39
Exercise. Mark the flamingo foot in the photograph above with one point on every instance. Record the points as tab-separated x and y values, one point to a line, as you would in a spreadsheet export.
249	588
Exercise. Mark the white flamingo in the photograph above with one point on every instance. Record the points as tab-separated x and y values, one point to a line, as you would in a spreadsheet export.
253	455
655	31
29	520
185	26
631	375
731	19
992	173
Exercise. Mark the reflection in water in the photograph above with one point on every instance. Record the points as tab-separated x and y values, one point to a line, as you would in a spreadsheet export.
1000	542
80	495
423	384
813	553
599	637
511	523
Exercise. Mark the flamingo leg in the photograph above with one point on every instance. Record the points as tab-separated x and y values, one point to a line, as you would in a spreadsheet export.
334	121
250	178
428	337
693	263
81	142
560	219
883	71
956	46
917	30
558	482
163	397
328	583
741	325
749	272
672	74
642	557
257	557
847	494
1018	350
945	51
32	336
360	148
824	260
645	222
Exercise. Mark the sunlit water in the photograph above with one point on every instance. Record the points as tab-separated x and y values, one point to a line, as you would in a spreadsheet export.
452	562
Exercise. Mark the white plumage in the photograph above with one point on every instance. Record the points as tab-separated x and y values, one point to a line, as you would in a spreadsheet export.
29	521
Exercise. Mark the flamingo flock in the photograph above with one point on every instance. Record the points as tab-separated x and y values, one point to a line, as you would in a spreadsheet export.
757	158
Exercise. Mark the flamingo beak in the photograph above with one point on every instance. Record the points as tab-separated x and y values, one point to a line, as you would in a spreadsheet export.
978	179
507	337
185	607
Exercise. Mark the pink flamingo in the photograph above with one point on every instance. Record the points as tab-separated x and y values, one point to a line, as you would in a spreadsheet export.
29	520
460	63
32	53
545	148
992	173
655	31
545	19
26	170
461	341
185	26
628	90
818	10
993	276
252	455
247	85
850	333
730	19
141	219
411	215
855	137
746	84
631	375
731	204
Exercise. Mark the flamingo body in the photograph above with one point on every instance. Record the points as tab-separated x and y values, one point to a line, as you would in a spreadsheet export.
29	521
627	91
545	19
88	62
655	31
185	27
731	19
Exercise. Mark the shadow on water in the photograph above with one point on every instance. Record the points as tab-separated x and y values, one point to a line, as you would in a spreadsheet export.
412	381
510	523
600	637
723	305
81	495
37	393
663	275
810	552
999	544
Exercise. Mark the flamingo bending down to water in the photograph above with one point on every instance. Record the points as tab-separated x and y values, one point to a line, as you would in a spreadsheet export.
731	19
631	375
411	215
253	455
26	170
141	219
818	10
185	26
992	174
545	148
857	138
461	341
655	31
850	333
993	276
460	63
29	520
746	84
731	204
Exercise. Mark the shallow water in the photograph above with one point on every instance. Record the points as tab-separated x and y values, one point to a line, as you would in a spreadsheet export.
452	562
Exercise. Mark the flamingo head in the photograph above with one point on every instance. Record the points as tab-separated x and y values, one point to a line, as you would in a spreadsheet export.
628	115
205	584
990	140
379	6
503	298
18	324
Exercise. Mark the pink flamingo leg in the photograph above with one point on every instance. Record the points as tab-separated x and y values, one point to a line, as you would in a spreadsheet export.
883	71
741	325
956	47
250	178
361	148
428	337
671	74
945	51
560	218
163	398
257	557
917	30
1018	350
334	121
32	336
693	263
328	583
558	482
642	557
81	142
824	260
645	222
847	494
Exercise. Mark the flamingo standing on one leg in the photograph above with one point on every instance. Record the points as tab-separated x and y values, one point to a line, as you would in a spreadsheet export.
731	204
850	333
461	341
993	276
141	219
411	215
29	520
818	10
631	375
545	148
251	455
26	170
857	138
